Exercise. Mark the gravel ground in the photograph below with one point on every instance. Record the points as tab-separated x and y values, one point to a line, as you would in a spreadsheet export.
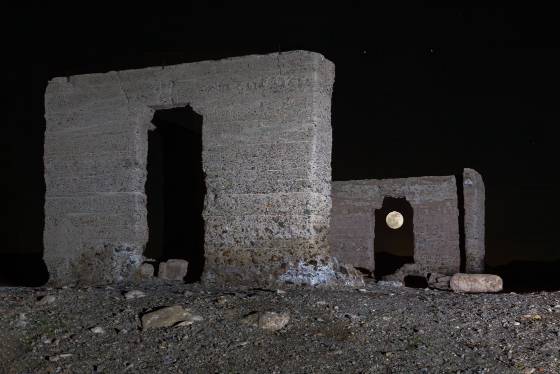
377	329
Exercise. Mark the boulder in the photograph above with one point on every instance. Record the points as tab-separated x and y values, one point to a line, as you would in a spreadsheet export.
474	283
173	269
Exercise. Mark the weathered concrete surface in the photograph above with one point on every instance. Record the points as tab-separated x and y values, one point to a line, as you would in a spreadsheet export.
476	283
473	193
173	269
266	155
435	220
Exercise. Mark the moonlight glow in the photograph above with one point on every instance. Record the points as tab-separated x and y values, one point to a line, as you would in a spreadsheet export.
394	220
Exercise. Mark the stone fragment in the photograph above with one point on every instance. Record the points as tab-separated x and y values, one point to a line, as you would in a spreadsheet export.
189	321
165	317
48	299
146	271
439	281
390	283
97	330
134	294
474	283
531	317
60	356
174	269
270	321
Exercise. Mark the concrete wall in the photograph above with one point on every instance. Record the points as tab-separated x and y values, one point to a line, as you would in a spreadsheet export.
266	155
435	218
473	193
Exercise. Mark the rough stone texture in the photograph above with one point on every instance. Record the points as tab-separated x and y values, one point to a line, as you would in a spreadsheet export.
146	271
165	317
266	156
476	283
473	192
174	269
438	281
435	219
270	321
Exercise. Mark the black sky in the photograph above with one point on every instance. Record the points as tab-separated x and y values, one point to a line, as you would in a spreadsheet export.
418	91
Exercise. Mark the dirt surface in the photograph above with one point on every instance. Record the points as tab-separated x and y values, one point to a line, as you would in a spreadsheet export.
377	329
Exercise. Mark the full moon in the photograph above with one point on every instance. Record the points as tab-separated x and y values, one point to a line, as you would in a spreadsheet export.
394	220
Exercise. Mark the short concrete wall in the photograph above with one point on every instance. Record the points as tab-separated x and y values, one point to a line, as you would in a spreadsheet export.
435	217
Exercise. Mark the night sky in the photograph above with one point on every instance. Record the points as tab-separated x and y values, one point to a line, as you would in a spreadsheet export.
418	91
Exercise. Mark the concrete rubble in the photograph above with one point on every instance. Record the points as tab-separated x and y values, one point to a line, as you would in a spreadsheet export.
476	283
174	269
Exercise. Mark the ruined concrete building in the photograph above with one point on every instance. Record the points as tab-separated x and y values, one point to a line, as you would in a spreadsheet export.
433	222
116	195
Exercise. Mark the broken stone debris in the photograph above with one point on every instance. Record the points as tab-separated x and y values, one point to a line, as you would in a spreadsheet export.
146	271
270	321
47	299
438	281
168	316
134	294
174	269
476	283
390	283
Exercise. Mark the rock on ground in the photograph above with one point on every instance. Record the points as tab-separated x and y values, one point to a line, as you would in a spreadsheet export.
473	283
165	317
271	321
173	269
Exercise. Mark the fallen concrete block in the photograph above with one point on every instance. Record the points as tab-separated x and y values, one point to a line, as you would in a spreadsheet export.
473	283
146	271
173	269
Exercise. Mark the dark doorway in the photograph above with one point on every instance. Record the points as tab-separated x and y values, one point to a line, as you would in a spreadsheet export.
393	247
415	281
23	270
175	189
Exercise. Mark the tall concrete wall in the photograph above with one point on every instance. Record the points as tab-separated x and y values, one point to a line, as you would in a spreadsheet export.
473	196
266	155
435	219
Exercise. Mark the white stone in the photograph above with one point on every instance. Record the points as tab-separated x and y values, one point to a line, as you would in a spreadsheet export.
134	294
98	330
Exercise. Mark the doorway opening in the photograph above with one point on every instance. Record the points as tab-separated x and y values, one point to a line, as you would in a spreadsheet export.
175	189
415	281
394	236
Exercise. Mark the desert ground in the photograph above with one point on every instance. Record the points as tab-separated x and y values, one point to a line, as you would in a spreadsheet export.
380	328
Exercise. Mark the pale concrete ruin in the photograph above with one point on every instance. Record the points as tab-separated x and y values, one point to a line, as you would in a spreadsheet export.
433	220
266	153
